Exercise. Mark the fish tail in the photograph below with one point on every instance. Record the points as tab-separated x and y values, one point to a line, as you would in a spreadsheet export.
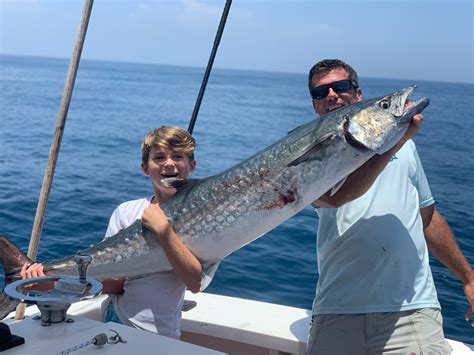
12	259
7	305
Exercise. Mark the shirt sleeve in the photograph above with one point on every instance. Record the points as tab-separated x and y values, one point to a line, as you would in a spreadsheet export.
114	224
421	183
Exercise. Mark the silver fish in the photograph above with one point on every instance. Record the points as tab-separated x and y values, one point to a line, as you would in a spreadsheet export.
216	216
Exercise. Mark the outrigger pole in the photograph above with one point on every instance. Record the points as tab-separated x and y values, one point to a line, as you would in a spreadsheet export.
56	142
209	65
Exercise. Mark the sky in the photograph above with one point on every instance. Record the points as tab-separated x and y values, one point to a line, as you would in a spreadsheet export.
396	39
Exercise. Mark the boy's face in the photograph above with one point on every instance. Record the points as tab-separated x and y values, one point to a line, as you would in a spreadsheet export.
165	163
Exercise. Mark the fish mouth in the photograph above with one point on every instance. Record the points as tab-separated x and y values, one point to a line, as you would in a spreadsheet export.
413	108
405	109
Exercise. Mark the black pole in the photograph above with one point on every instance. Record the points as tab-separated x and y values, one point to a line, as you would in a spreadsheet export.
209	65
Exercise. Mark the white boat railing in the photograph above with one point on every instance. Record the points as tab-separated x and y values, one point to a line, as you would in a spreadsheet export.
237	326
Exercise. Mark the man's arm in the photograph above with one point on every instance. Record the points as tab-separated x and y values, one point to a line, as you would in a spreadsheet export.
442	244
359	182
184	263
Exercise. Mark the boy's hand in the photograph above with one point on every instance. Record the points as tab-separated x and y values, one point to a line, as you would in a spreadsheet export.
154	218
33	270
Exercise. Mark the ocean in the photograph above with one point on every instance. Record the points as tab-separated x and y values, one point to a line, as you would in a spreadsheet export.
115	104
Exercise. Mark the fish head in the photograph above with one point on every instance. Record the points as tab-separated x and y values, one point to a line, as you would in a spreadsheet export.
378	124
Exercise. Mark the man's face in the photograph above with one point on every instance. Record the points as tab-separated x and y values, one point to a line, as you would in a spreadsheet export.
165	163
334	100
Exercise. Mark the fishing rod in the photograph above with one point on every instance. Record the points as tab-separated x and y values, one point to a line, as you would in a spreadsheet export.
56	141
217	40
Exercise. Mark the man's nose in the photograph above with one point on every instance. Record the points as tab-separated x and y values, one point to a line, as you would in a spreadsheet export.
331	93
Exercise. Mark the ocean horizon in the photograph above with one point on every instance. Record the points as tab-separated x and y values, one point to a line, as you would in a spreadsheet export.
215	67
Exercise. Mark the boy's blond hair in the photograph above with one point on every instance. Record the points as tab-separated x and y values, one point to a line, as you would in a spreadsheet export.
169	137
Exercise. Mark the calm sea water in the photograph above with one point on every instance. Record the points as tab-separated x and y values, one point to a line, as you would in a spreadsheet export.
115	104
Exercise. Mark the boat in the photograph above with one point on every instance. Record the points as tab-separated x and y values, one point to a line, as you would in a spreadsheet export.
216	324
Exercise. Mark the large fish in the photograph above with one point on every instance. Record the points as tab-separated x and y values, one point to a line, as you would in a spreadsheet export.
216	216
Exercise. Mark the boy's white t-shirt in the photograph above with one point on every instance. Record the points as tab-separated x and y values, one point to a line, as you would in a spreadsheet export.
153	302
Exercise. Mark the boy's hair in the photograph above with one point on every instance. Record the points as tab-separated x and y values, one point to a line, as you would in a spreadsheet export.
169	137
326	65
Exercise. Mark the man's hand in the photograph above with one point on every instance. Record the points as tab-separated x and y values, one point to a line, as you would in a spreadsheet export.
412	130
469	292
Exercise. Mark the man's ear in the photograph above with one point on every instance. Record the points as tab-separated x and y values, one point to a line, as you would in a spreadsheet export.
145	169
192	165
359	94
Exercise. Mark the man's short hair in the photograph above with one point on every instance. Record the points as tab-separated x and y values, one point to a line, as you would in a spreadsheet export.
169	137
326	65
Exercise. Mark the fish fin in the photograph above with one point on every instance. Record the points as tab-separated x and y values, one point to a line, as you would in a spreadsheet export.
303	127
315	151
12	259
7	305
294	129
208	271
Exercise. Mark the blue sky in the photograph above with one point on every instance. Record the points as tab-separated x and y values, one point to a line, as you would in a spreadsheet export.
405	39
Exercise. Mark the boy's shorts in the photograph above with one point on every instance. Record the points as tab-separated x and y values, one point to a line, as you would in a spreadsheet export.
109	315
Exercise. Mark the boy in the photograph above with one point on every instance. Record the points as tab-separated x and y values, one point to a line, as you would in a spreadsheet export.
153	302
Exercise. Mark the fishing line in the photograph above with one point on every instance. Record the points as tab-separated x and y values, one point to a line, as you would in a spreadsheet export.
217	40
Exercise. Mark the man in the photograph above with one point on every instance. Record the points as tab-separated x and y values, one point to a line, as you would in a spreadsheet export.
375	292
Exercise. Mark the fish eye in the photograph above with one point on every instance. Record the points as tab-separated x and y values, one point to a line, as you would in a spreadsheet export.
384	104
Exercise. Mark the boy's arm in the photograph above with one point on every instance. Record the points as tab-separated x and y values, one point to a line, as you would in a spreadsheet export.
111	285
184	263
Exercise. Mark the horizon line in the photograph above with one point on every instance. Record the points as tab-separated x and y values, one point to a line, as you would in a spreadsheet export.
220	68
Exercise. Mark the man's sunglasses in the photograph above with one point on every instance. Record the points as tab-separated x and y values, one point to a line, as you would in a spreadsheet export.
321	91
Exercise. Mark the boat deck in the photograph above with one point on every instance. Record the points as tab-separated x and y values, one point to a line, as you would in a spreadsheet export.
225	324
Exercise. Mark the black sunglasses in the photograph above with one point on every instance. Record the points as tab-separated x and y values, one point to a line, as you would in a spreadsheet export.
321	91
